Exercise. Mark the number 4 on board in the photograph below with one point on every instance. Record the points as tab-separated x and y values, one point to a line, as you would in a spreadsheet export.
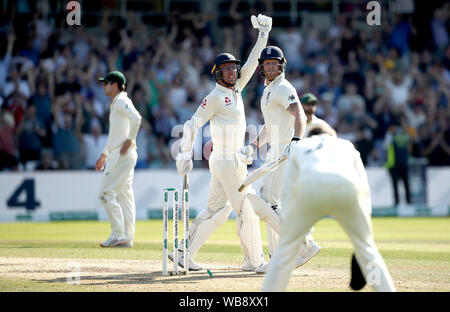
30	202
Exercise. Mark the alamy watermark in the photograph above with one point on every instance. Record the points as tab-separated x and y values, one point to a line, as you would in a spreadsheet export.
374	16
228	136
74	15
373	274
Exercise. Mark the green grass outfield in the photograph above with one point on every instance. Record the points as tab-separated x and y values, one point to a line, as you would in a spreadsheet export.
415	249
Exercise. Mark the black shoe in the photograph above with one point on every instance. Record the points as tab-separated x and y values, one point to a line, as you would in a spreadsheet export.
357	281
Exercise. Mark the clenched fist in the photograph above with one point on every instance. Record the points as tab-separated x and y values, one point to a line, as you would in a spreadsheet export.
262	22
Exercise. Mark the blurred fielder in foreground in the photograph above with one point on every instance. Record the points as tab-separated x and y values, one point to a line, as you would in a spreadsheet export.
325	176
120	156
224	107
309	104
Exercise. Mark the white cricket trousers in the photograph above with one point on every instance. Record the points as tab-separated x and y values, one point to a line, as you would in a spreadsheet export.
305	201
116	193
227	174
271	191
273	180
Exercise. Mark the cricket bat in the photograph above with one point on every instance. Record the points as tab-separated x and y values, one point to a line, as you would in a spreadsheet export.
185	187
258	173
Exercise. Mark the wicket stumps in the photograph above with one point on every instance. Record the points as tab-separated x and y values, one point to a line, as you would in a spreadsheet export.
186	230
185	217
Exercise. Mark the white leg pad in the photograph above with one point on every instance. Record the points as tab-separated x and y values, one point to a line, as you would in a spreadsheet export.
272	240
249	232
204	225
265	212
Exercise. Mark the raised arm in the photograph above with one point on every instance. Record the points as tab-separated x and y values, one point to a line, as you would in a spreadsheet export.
264	25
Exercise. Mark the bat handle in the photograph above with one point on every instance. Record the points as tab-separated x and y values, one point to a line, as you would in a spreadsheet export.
185	182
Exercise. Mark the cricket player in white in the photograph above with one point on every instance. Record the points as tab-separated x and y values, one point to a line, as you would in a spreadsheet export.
325	177
309	104
224	108
116	192
284	122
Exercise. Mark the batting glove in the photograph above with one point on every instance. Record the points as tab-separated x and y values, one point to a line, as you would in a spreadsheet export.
287	149
262	22
184	163
246	155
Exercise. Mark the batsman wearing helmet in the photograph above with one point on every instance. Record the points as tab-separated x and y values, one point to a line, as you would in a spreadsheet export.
284	122
224	108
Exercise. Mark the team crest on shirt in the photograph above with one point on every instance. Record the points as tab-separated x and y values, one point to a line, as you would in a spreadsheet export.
227	101
203	103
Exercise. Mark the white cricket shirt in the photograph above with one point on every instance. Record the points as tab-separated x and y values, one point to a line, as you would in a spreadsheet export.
225	108
279	122
326	154
124	122
315	121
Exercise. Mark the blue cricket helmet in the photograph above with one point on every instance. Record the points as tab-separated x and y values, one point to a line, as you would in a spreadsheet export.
222	59
272	53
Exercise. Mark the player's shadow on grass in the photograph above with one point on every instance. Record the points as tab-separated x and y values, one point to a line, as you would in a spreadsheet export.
154	277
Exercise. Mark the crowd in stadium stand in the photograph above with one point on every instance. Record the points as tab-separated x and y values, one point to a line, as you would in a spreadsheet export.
54	114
